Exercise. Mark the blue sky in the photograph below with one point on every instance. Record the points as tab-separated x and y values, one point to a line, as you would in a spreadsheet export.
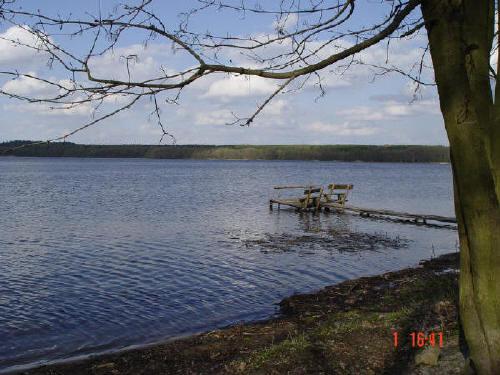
355	110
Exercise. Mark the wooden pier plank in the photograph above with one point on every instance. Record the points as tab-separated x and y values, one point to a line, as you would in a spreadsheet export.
324	201
382	212
296	203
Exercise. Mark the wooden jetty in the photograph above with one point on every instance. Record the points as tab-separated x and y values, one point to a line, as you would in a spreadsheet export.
334	198
315	197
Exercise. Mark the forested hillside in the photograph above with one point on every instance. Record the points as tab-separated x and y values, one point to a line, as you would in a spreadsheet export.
390	153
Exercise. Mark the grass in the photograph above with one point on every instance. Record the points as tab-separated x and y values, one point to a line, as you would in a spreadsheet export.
290	350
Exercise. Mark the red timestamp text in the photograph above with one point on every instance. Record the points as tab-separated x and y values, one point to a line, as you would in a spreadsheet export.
420	339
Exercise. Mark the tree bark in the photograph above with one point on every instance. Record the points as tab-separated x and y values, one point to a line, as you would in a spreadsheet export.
460	37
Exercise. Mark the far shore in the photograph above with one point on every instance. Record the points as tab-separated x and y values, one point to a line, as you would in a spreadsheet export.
348	328
347	153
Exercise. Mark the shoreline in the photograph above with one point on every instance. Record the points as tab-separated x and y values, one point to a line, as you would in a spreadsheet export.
344	328
346	153
219	159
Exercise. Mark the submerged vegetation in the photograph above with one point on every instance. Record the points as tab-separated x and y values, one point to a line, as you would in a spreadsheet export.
340	240
389	153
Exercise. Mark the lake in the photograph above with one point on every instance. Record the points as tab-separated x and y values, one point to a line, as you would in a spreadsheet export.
102	254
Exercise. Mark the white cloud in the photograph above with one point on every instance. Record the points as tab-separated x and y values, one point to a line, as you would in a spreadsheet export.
143	63
390	110
34	88
217	117
343	129
396	109
15	45
46	110
239	86
113	65
28	86
275	107
361	113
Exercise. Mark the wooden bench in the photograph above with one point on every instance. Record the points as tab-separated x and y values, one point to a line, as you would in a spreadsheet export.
311	197
338	193
314	196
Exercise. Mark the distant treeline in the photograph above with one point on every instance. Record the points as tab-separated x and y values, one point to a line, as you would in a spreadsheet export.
390	153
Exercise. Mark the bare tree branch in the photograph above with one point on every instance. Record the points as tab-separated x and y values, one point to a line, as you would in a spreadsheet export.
304	51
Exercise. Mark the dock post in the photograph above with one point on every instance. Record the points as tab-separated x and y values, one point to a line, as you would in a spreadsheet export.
271	205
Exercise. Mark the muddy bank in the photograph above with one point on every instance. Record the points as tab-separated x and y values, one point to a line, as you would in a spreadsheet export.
343	329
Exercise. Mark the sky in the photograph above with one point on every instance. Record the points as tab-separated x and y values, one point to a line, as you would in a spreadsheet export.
357	107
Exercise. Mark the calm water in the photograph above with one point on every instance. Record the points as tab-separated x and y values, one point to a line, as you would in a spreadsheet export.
100	254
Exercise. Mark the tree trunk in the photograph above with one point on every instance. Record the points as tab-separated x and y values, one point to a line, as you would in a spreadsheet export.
460	37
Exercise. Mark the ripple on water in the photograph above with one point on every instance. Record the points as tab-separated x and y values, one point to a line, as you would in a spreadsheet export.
101	254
